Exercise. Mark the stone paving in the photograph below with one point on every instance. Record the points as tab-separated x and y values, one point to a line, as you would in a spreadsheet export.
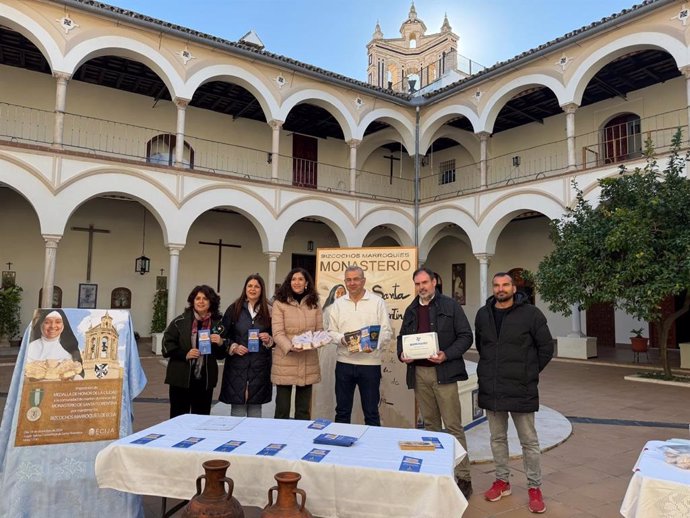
585	476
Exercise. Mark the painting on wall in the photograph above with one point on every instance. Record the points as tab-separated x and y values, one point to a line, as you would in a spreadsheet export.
458	283
87	296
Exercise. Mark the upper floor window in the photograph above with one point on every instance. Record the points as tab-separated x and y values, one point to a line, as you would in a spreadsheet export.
161	149
446	172
621	138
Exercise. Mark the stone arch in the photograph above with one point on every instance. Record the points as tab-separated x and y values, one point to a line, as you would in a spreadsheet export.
233	74
103	181
375	141
33	187
434	121
324	100
434	220
584	73
29	28
467	140
399	221
332	214
504	209
244	201
130	49
400	123
506	92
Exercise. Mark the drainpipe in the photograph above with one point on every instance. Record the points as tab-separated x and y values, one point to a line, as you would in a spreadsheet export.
416	177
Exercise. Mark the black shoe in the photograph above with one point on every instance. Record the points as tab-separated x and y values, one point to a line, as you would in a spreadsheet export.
465	486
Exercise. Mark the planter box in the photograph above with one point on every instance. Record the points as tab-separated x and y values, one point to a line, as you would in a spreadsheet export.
684	355
576	347
157	343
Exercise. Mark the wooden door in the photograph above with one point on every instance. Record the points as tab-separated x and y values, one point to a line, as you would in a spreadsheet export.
305	155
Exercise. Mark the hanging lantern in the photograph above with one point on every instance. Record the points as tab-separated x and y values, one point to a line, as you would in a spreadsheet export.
142	263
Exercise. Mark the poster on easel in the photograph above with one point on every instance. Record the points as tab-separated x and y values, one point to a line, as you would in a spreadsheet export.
388	272
71	394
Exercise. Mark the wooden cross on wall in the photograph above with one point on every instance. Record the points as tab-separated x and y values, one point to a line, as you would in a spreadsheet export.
220	246
91	230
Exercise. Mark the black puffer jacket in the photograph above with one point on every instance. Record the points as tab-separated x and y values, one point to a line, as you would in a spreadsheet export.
246	379
510	363
448	320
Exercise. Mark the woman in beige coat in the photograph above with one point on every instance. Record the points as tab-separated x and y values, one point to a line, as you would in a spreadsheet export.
295	310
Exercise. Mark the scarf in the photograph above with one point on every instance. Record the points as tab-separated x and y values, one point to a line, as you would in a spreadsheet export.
198	363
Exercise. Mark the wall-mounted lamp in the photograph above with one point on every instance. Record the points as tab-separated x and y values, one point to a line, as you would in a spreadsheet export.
310	246
516	161
269	158
424	161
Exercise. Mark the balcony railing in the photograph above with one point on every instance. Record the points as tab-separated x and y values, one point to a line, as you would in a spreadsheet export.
157	148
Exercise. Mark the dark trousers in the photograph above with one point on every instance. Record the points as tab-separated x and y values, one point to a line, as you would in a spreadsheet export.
368	379
193	400
302	402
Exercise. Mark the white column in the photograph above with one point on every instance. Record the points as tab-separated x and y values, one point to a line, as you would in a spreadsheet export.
179	132
52	241
354	144
686	73
576	321
483	157
484	260
570	110
172	284
272	263
276	125
60	102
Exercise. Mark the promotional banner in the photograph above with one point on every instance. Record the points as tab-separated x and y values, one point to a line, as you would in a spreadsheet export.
388	273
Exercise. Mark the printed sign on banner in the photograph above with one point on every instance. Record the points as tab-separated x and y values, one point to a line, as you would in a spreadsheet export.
388	273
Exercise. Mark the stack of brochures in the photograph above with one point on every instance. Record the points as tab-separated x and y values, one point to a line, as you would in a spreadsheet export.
334	439
363	340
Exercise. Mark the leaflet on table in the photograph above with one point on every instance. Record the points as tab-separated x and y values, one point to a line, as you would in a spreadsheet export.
189	441
363	340
219	423
412	464
204	341
271	449
435	440
253	340
316	455
335	440
147	438
229	446
420	346
319	424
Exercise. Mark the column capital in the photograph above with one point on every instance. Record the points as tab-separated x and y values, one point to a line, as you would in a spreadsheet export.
181	102
175	248
484	258
570	107
685	71
483	135
273	256
276	124
354	143
52	240
62	76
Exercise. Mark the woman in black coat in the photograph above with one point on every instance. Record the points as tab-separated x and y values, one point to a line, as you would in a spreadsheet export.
191	373
247	373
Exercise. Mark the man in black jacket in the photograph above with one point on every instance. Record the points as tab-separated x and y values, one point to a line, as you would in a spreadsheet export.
434	379
514	345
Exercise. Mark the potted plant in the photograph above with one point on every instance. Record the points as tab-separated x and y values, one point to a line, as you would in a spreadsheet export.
10	320
639	342
159	320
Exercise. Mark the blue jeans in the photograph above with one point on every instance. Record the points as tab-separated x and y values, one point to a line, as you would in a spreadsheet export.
368	379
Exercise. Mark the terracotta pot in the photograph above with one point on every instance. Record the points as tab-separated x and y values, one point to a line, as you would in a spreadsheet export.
639	344
286	503
214	501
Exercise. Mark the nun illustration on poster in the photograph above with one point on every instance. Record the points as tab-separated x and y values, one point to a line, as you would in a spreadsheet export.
53	352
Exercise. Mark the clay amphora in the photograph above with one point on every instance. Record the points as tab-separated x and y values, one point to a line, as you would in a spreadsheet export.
286	503
214	501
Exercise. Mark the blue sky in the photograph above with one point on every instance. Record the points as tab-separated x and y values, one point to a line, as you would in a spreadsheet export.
333	34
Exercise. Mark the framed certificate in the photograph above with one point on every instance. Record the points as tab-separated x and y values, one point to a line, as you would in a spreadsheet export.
420	346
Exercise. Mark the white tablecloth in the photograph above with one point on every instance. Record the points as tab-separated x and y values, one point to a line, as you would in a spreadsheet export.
657	489
360	481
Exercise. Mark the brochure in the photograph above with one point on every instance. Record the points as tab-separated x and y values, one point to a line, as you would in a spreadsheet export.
319	424
335	440
435	440
253	341
316	455
147	438
411	464
271	449
363	340
189	441
229	446
204	341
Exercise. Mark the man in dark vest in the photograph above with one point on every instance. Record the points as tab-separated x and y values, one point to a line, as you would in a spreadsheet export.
514	345
434	379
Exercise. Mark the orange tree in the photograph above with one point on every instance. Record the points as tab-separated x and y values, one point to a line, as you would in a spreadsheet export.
633	248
